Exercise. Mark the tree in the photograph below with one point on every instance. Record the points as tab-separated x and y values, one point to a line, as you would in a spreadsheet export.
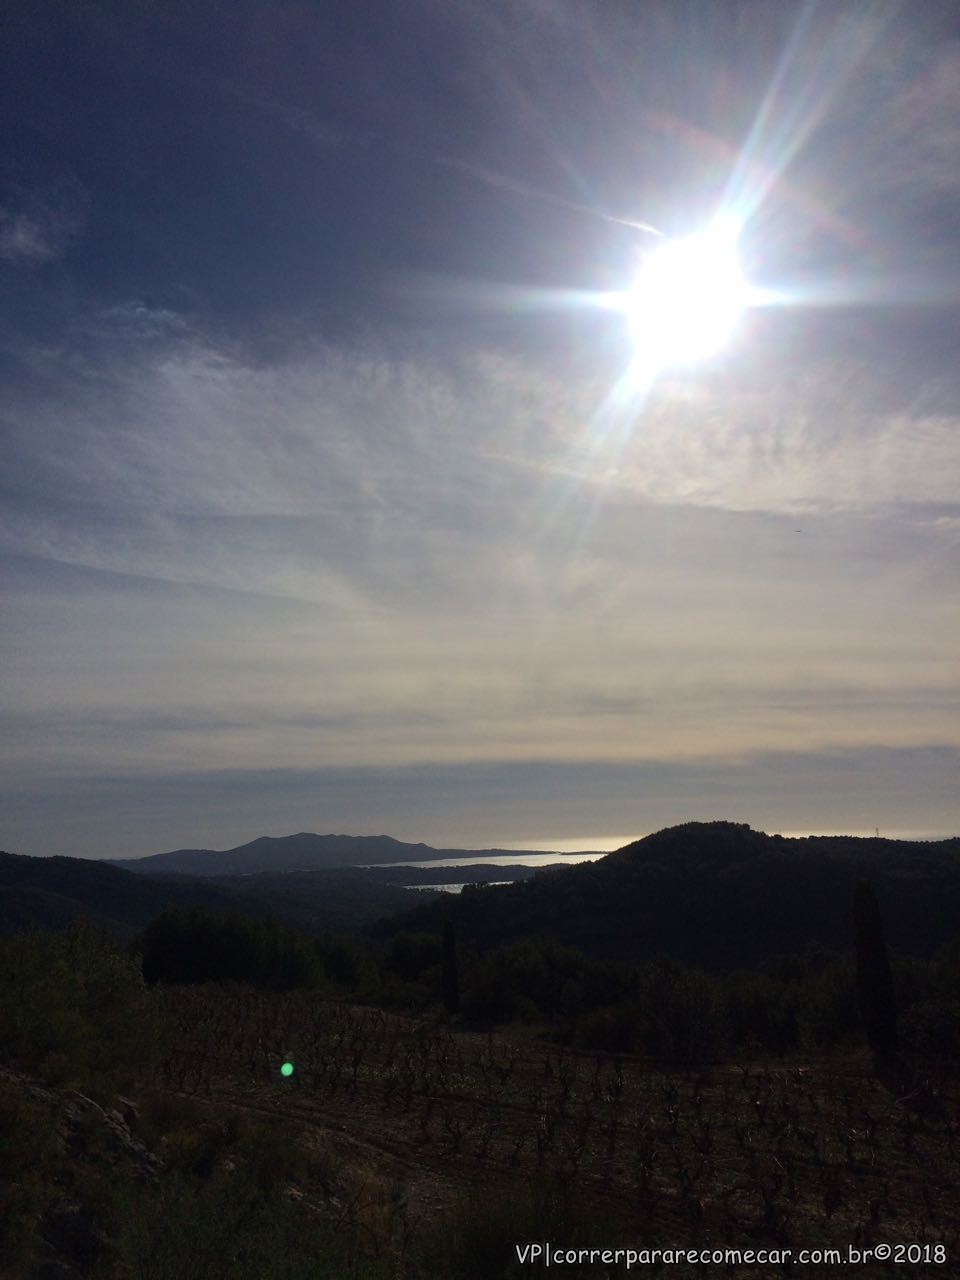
874	978
451	985
210	946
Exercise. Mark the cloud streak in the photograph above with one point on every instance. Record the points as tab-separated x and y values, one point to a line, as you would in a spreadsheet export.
297	495
494	804
39	225
354	558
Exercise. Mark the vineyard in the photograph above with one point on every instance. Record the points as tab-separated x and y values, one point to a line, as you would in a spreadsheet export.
811	1155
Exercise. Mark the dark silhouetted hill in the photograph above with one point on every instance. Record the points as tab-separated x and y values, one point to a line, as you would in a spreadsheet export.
338	901
718	894
304	851
46	893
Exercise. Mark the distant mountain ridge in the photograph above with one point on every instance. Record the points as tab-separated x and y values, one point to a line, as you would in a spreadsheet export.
302	852
718	894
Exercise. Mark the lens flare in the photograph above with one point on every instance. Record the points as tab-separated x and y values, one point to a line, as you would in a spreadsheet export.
688	297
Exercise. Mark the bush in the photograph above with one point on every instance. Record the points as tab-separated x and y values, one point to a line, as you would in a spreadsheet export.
348	963
615	1029
233	1226
540	979
30	1154
682	1017
409	955
827	1003
74	1008
932	1029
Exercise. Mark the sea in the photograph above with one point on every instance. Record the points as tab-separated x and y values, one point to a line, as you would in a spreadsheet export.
507	860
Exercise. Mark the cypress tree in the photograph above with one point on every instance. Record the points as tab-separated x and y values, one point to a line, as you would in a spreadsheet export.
874	978
451	985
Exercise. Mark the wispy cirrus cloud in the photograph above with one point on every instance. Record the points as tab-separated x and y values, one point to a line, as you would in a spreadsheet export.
361	556
38	225
356	460
923	123
293	515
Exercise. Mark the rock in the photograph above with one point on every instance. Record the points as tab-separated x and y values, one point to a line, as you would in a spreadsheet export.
78	1108
129	1111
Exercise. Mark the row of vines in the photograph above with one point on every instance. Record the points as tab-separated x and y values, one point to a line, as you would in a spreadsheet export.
802	1154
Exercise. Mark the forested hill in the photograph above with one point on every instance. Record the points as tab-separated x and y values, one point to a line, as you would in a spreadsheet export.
721	895
301	852
47	893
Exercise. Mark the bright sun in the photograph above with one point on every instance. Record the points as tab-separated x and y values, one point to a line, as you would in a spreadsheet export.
685	303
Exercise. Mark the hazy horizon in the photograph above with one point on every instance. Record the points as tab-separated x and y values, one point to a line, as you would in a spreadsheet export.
563	846
505	419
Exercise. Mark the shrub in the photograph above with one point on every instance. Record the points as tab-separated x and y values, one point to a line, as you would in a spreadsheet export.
30	1154
232	1226
540	979
74	1008
682	1018
348	963
615	1029
410	955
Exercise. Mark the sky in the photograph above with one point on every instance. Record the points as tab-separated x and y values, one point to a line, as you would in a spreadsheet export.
332	500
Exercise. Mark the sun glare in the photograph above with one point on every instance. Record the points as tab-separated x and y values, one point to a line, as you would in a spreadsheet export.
687	298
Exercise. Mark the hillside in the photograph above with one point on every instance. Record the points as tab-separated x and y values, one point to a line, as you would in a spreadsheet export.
304	851
46	893
339	901
718	894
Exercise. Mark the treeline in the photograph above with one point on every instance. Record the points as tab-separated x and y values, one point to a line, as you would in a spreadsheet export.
678	1013
662	1008
198	945
65	1010
204	946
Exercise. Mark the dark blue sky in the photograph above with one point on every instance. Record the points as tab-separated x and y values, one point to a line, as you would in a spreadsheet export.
231	159
315	462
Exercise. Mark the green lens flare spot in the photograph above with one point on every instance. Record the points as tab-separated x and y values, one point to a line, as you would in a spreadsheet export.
287	1069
